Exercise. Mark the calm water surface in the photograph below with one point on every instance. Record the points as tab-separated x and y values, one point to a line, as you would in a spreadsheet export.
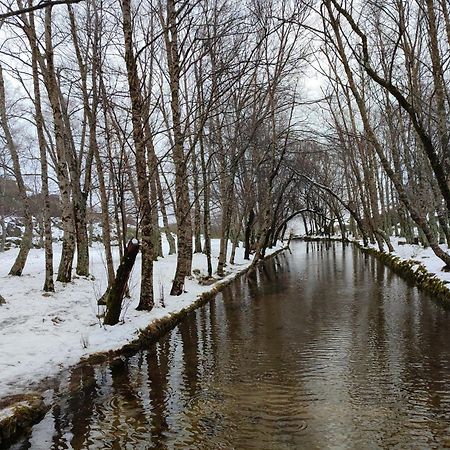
323	348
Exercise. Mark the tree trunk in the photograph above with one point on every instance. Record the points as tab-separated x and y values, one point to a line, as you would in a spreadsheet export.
197	212
116	292
248	232
146	301
162	205
48	239
227	211
25	243
79	197
206	210
67	219
153	174
182	208
3	237
237	231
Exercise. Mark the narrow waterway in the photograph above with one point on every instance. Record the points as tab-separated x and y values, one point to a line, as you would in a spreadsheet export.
322	348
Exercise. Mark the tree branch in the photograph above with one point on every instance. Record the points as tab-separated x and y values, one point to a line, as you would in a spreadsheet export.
41	5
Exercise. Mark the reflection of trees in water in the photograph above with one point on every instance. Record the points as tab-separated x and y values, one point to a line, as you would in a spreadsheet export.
157	371
268	269
81	406
127	407
189	340
213	323
252	280
74	411
60	424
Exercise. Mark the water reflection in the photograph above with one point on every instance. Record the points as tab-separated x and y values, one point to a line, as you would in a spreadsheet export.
324	348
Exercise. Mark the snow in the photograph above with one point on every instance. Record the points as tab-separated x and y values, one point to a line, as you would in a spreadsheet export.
40	333
423	256
8	412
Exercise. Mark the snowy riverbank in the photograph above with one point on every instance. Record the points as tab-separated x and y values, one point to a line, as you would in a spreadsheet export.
424	256
40	334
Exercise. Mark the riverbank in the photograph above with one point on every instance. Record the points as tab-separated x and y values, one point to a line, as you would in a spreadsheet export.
42	334
414	262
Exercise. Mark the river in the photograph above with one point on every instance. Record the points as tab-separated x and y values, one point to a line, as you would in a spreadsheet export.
321	348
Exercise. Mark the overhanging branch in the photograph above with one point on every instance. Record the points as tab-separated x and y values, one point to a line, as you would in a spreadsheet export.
40	5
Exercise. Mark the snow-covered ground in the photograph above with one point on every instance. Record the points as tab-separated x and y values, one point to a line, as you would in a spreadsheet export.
424	256
41	334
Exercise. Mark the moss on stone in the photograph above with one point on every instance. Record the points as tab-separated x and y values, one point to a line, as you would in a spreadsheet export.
18	414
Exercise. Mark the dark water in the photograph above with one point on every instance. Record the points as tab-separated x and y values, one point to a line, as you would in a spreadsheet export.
324	348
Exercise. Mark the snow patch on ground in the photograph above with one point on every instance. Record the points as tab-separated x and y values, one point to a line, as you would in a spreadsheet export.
8	412
41	334
424	256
